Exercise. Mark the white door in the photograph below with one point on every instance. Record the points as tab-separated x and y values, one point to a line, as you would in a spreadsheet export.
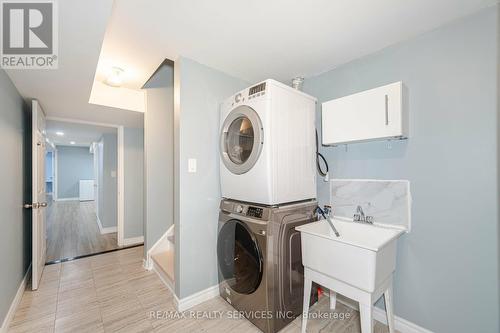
38	204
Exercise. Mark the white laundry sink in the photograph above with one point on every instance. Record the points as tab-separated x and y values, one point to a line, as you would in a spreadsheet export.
363	256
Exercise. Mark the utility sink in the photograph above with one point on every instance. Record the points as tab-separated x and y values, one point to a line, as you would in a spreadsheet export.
359	264
364	255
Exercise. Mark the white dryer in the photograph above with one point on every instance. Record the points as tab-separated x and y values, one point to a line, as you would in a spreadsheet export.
267	145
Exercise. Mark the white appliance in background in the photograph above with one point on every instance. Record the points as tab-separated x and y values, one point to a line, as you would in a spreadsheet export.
86	189
376	114
267	145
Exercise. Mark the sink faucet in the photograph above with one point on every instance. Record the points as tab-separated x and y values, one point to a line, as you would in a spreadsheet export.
327	215
360	216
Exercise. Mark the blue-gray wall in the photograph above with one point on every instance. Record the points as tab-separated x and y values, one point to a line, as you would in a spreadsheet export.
107	173
49	172
133	143
159	154
447	277
15	177
200	92
73	164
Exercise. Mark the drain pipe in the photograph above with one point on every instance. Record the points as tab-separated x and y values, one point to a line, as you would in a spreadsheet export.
297	82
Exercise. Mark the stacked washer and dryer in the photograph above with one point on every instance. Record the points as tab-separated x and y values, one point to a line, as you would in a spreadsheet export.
268	184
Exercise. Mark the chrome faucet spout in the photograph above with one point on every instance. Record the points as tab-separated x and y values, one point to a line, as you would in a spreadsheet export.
327	214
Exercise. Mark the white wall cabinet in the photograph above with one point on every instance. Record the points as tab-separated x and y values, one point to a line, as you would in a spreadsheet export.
369	115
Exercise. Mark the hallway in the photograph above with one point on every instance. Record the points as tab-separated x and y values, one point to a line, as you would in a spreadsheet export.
72	230
114	293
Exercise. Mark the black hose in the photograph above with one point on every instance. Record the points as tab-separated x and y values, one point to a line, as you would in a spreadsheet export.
318	157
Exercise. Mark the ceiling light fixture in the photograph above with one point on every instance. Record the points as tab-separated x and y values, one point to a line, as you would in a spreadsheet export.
115	77
72	142
59	133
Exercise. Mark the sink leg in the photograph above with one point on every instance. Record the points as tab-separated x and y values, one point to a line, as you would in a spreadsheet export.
333	300
389	308
307	299
366	316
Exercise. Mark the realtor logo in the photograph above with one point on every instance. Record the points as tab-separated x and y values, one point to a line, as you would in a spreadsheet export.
29	34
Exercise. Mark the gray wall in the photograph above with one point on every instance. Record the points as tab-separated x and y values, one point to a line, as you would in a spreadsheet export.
158	146
201	90
100	177
108	191
73	164
15	177
49	172
133	142
447	267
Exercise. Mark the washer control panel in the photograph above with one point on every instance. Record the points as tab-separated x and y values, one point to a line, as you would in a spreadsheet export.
245	209
238	209
254	212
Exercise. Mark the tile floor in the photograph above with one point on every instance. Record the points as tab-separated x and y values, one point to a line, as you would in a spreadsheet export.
113	293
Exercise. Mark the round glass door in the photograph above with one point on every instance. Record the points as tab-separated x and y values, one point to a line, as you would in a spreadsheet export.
239	257
241	139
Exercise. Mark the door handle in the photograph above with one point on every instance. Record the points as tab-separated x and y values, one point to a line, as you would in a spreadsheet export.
33	205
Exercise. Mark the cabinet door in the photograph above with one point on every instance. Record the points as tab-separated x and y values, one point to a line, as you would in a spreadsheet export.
368	115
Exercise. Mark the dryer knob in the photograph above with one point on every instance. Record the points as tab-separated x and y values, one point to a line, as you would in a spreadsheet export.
237	98
239	209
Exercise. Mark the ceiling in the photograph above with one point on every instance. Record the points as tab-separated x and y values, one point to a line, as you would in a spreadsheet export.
260	39
251	40
65	92
82	134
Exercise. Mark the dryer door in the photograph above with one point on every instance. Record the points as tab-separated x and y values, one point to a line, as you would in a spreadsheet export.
241	139
239	257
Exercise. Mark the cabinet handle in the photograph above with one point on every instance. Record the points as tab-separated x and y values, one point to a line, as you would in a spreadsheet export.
386	110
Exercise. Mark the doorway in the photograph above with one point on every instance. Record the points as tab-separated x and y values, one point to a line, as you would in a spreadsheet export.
82	218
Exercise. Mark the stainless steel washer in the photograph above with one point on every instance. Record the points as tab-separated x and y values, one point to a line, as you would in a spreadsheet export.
260	263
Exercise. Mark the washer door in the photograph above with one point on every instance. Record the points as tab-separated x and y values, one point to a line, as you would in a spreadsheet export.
239	257
241	139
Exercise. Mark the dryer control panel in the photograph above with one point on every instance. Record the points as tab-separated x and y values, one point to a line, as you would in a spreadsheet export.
258	89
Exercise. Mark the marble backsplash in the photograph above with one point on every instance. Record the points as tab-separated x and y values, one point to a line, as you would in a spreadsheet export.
388	201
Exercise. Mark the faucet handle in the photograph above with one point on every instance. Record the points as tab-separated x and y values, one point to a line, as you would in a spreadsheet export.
328	210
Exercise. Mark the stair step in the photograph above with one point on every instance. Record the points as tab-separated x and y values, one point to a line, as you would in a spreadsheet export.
165	261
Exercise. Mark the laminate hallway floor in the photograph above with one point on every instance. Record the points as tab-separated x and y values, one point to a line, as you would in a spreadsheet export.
112	292
72	230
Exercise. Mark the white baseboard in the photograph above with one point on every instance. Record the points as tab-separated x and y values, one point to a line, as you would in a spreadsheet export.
146	264
15	302
67	199
133	241
103	230
401	325
187	303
